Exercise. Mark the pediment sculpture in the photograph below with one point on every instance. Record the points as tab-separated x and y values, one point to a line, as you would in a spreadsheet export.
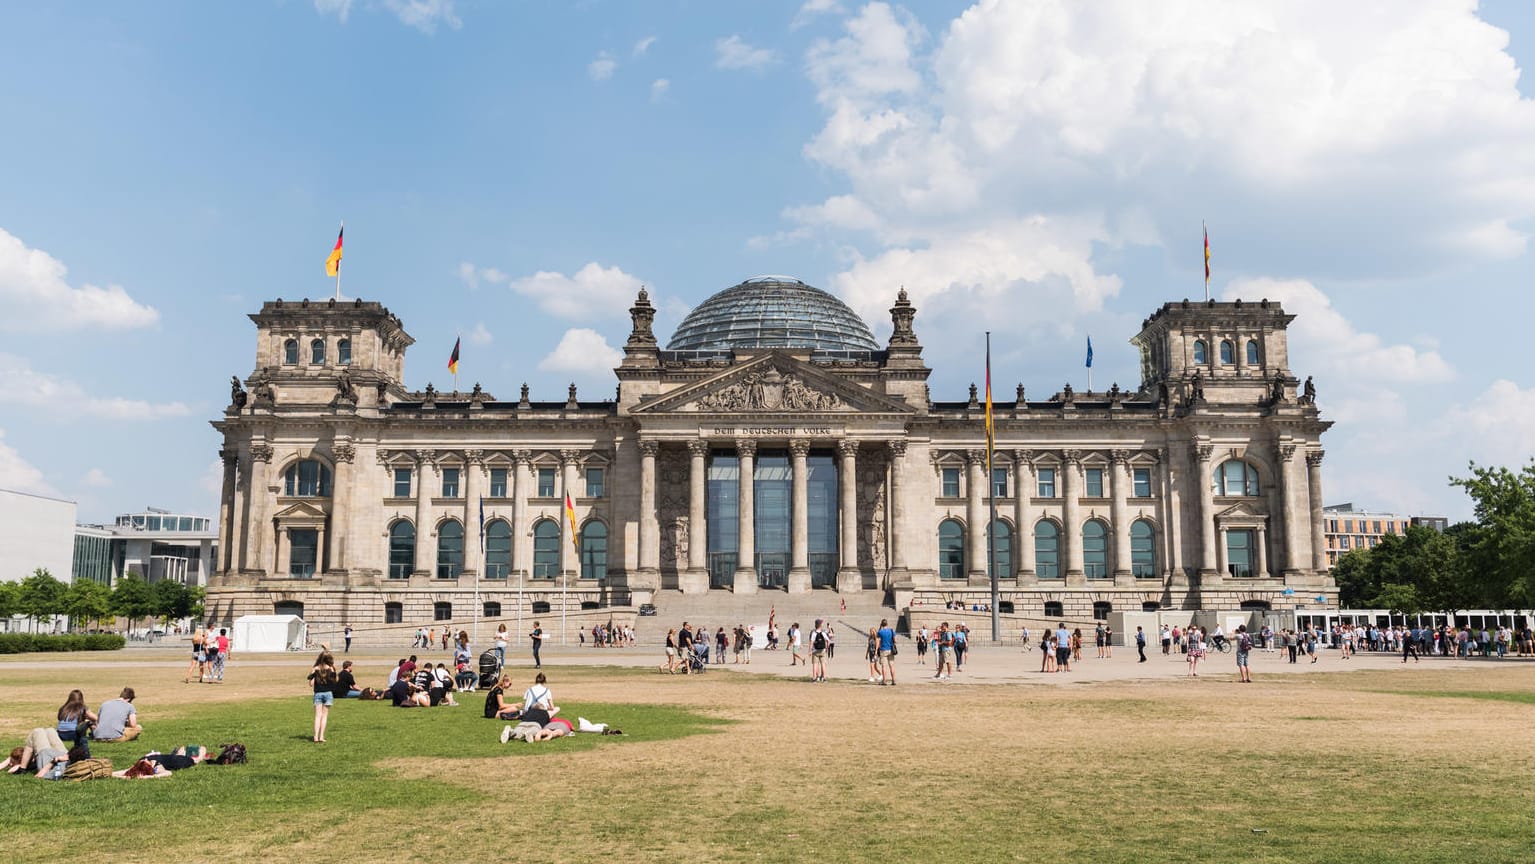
769	390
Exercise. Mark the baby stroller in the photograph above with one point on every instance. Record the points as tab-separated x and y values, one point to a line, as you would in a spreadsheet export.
490	670
698	659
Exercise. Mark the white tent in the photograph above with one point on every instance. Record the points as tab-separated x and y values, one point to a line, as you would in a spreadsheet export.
268	633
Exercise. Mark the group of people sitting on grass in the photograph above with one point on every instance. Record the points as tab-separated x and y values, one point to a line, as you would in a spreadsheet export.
414	684
536	716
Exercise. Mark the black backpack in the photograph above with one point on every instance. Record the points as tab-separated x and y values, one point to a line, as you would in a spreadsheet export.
230	754
818	641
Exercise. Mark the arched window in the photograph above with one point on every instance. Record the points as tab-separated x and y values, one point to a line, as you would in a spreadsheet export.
317	352
307	478
1236	478
290	352
402	550
492	610
951	550
394	613
450	549
1000	551
498	549
344	352
1047	550
1228	353
1143	548
1095	559
1054	609
594	551
546	549
1252	352
1101	610
442	611
1201	353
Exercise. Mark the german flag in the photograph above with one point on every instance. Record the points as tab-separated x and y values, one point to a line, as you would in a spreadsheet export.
333	263
570	515
453	360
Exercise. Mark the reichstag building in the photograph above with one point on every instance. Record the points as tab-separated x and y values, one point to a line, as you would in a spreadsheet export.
771	446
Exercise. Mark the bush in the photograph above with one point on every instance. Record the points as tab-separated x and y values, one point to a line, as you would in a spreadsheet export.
27	643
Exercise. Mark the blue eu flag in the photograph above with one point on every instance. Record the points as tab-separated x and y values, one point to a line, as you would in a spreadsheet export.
1089	352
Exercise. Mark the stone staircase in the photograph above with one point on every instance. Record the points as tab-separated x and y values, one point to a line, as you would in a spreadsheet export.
723	609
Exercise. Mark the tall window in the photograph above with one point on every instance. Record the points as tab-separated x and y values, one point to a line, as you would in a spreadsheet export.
546	549
999	482
1235	477
1000	548
545	483
317	352
498	482
307	479
950	483
1228	353
1201	353
1095	550
450	549
1141	479
303	553
1047	550
1252	352
498	549
1046	482
594	483
951	550
1143	549
290	352
1239	552
402	482
344	352
594	551
402	550
1094	478
450	482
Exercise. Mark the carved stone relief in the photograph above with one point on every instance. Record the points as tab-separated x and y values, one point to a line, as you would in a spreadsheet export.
672	473
769	390
873	500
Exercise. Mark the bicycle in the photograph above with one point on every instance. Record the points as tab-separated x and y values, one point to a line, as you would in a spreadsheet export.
1223	645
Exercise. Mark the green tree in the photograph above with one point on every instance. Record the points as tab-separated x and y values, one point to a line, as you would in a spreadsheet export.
1352	573
1401	599
1501	553
168	596
87	601
131	598
10	599
42	596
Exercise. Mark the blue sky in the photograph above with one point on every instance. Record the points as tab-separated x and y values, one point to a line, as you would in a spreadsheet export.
513	171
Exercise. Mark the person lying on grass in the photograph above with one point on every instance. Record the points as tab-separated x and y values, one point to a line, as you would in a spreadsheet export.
532	733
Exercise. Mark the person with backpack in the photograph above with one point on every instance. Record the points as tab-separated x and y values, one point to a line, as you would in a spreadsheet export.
1244	651
944	639
818	643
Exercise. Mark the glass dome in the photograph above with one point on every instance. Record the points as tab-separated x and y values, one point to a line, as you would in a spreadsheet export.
772	312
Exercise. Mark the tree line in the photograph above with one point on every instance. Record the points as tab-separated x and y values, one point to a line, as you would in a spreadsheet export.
1488	563
41	597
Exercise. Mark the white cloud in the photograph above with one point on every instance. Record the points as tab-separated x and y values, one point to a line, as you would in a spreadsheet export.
96	478
582	351
602	68
591	292
479	335
658	89
424	15
19	475
813	8
1495	428
340	8
473	276
732	52
35	295
212	479
21	385
643	46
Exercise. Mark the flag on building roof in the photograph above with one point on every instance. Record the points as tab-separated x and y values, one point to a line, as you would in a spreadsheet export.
1207	256
991	434
1089	352
570	515
333	263
453	360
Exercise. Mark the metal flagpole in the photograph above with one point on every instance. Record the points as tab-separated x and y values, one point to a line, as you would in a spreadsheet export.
991	488
483	559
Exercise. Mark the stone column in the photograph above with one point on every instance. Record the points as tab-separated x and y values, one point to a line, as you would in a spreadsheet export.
570	562
1222	547
474	472
1119	467
698	529
1172	522
260	520
340	509
975	515
1206	480
898	569
745	581
1314	487
1071	530
522	484
1284	461
799	508
848	577
1023	514
650	523
280	553
227	512
319	551
426	544
1262	569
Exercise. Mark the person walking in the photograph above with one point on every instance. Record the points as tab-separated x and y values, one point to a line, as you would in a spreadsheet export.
1196	643
537	637
346	636
886	652
1410	646
1167	640
323	677
818	644
794	646
500	645
1140	644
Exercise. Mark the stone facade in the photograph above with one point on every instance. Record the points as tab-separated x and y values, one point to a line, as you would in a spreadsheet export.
1202	486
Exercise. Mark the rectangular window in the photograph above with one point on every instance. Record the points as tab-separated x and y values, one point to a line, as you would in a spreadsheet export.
594	483
1094	482
402	482
950	483
498	482
545	483
1142	482
1046	482
999	482
450	482
1377	526
304	552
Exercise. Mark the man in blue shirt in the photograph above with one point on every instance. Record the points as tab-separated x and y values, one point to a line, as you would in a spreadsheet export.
1063	647
886	637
